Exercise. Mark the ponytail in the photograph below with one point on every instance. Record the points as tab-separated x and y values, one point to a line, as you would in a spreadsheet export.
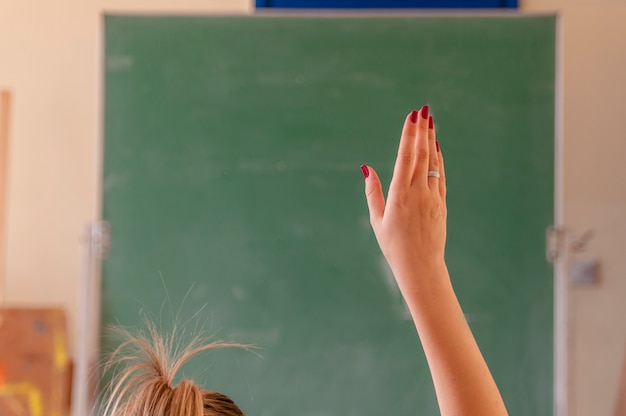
145	365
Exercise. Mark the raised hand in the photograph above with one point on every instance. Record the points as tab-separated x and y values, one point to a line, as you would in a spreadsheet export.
411	226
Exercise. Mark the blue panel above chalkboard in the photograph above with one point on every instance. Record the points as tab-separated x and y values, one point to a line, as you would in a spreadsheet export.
387	4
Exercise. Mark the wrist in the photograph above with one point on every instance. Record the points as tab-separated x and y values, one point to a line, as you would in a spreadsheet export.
419	269
421	279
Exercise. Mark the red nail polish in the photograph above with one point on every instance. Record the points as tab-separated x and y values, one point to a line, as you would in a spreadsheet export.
365	170
431	124
425	112
437	144
413	116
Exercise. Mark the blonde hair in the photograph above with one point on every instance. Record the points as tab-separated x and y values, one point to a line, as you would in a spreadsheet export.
145	365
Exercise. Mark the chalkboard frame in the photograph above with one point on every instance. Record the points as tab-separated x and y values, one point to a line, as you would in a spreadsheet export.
291	16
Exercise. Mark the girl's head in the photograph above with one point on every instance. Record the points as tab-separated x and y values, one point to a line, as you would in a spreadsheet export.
145	365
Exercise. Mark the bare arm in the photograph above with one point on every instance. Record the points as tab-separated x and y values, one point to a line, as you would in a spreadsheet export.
411	230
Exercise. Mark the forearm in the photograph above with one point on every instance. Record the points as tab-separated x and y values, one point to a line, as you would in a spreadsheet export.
462	380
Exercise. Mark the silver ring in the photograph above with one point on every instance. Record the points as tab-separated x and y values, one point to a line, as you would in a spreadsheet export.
434	174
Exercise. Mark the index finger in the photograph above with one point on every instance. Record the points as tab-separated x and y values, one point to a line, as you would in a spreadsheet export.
405	161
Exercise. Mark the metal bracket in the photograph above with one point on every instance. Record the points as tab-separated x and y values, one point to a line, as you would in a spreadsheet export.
100	238
555	237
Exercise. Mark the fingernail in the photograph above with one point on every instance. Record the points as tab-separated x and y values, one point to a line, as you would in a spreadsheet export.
413	116
365	170
431	124
425	112
437	144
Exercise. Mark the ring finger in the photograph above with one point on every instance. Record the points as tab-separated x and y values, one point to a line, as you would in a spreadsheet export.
433	160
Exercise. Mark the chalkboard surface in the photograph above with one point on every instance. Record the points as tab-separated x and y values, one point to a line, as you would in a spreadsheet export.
232	187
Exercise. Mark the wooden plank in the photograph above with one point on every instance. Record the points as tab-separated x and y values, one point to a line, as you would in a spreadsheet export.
5	113
34	367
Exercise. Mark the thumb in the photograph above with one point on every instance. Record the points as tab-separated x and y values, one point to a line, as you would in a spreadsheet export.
374	194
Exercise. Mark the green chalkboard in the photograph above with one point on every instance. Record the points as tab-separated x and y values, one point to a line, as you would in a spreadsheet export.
232	187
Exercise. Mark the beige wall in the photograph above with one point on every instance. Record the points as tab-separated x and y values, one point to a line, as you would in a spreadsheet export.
49	58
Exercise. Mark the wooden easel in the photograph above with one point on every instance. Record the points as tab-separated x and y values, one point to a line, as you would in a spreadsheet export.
5	113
